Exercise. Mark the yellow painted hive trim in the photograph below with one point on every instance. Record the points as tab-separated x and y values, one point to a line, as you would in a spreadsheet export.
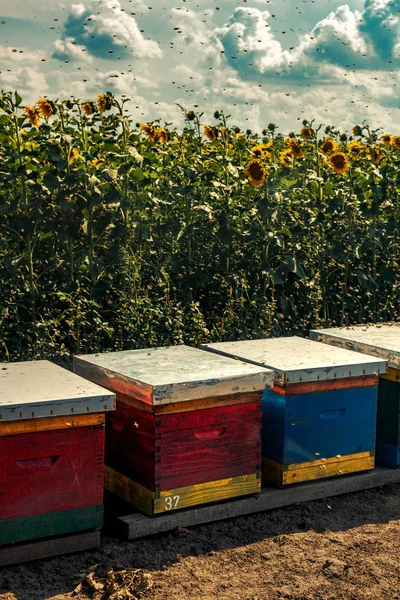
50	424
392	374
351	463
191	495
315	463
128	490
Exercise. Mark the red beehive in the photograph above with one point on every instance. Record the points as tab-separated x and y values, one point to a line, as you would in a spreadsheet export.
187	428
51	451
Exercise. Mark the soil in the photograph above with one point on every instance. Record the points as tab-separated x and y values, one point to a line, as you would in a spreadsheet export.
345	547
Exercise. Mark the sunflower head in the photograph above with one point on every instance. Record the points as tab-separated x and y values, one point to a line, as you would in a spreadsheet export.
295	148
339	162
307	133
355	150
328	146
162	135
357	131
190	115
98	161
149	131
103	103
256	172
45	107
286	157
73	154
210	132
261	150
386	138
32	114
375	154
396	142
88	108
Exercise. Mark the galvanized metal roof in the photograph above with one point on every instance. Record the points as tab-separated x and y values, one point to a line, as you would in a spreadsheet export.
37	389
173	374
298	360
382	340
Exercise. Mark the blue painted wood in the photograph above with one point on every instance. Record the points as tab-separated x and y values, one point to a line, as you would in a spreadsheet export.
309	427
387	454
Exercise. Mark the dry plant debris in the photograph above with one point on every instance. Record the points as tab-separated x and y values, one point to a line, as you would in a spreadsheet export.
125	584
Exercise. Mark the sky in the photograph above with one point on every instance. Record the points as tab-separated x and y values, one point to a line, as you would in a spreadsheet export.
260	61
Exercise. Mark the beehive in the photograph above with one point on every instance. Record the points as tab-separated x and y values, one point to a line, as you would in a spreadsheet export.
187	428
51	451
382	341
319	420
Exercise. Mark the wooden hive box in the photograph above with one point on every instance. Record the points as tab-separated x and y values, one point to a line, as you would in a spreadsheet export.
187	428
382	341
320	418
51	451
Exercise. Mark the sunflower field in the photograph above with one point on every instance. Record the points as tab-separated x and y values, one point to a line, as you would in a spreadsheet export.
116	234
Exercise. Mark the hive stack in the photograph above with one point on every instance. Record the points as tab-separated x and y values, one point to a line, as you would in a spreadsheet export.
382	341
320	418
187	428
52	451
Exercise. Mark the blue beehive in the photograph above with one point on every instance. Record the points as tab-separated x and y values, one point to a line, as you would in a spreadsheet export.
383	341
320	418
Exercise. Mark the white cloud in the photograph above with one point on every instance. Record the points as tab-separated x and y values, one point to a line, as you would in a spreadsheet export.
69	50
107	31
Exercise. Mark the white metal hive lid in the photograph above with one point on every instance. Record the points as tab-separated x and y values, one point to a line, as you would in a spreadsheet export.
382	340
298	360
38	389
172	374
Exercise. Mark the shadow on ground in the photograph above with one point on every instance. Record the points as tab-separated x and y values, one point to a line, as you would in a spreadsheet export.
56	577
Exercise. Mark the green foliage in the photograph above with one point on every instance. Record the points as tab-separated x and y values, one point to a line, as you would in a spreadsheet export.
115	235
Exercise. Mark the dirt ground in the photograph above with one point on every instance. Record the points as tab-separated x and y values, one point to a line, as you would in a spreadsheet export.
345	547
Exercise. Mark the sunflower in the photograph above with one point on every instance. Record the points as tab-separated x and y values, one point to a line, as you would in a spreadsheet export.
307	133
286	157
162	135
295	148
149	131
98	161
386	138
103	103
375	154
256	172
45	107
357	131
355	149
328	146
32	114
260	151
339	162
88	108
396	142
210	133
73	154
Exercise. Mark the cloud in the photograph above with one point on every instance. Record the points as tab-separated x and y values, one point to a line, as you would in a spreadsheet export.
247	42
381	26
352	40
21	70
68	50
106	31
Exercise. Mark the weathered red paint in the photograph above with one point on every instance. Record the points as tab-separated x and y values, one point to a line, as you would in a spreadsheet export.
169	451
51	471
